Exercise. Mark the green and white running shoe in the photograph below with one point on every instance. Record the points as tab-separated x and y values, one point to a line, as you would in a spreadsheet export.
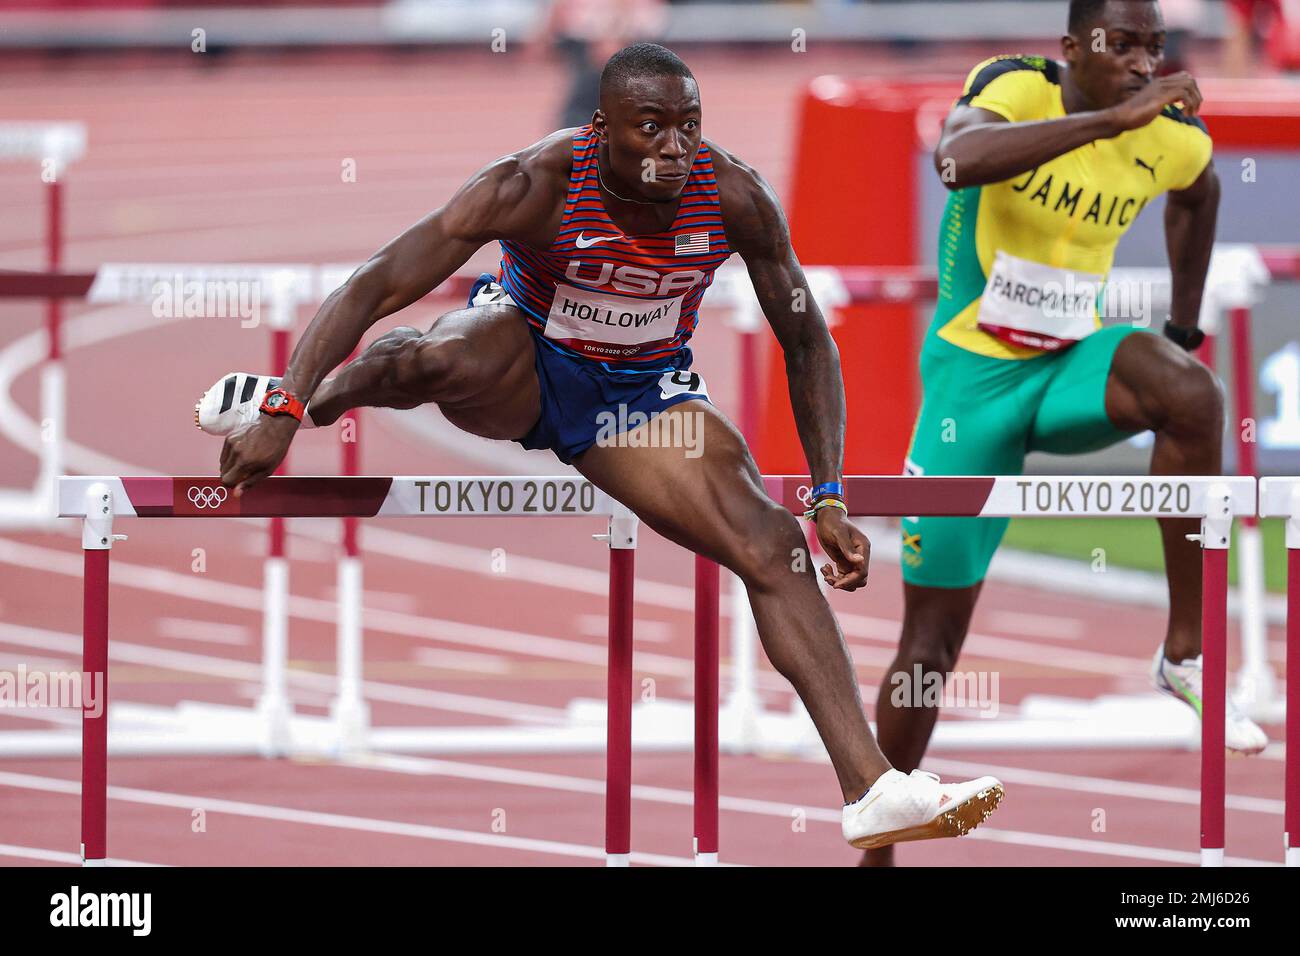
1182	681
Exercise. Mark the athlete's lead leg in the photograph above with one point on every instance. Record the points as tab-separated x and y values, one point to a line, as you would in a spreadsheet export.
715	505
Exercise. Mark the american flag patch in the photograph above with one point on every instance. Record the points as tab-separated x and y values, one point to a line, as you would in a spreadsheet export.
691	244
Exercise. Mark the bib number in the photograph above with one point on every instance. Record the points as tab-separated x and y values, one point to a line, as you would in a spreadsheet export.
681	383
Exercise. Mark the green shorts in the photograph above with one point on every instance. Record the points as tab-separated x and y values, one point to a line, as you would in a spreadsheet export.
981	416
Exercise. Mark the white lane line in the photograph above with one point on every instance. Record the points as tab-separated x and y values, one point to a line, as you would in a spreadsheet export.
649	632
1036	625
59	856
336	821
397	601
767	808
1104	847
1079	783
209	632
462	660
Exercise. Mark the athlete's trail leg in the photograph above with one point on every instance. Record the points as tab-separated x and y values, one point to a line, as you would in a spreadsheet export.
476	364
1155	385
714	504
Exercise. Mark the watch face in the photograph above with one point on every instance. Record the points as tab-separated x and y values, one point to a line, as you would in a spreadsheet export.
276	401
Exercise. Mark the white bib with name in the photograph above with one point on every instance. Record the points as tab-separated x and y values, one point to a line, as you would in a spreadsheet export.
1038	306
610	326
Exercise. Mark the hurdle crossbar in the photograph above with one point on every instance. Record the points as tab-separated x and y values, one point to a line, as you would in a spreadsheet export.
1216	501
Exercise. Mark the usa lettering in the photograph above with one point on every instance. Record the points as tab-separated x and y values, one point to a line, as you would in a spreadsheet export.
632	280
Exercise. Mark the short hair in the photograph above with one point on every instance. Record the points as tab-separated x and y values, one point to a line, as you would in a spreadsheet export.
638	60
1084	12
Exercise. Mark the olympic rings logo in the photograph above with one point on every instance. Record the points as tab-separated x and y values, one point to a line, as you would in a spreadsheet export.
804	494
206	496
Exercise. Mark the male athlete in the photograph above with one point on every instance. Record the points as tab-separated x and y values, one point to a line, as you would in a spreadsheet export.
610	235
1049	164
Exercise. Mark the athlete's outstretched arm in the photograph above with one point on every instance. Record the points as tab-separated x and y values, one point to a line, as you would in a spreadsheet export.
980	146
495	203
1191	215
757	230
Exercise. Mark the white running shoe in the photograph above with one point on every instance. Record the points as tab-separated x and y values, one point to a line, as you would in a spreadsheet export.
916	806
234	402
1182	681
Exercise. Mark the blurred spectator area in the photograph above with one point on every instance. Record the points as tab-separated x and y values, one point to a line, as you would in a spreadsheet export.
1249	34
135	23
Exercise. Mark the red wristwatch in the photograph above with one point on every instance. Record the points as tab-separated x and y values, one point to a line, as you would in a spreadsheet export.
277	401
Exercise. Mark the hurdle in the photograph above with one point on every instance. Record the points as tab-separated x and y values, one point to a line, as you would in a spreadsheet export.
1280	498
54	146
98	501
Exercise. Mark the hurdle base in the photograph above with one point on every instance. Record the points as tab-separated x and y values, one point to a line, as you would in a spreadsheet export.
351	718
1211	857
618	859
275	721
1257	697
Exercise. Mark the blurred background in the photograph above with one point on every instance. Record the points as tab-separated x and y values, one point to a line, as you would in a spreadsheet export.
313	131
223	133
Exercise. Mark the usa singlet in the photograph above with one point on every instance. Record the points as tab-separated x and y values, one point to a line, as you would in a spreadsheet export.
601	295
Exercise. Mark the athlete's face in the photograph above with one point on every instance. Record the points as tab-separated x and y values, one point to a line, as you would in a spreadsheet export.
1119	53
652	128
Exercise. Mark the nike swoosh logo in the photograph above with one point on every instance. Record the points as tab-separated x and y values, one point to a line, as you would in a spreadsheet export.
583	243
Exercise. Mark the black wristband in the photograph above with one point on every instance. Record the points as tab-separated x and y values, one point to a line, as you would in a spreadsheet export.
1189	340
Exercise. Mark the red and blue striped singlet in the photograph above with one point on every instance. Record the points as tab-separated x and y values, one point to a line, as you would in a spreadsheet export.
601	295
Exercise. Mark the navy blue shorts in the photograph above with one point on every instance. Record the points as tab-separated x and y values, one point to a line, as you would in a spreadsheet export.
584	401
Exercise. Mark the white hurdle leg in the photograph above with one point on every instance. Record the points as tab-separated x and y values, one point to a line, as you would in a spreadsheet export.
348	710
742	707
53	422
1256	687
273	707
